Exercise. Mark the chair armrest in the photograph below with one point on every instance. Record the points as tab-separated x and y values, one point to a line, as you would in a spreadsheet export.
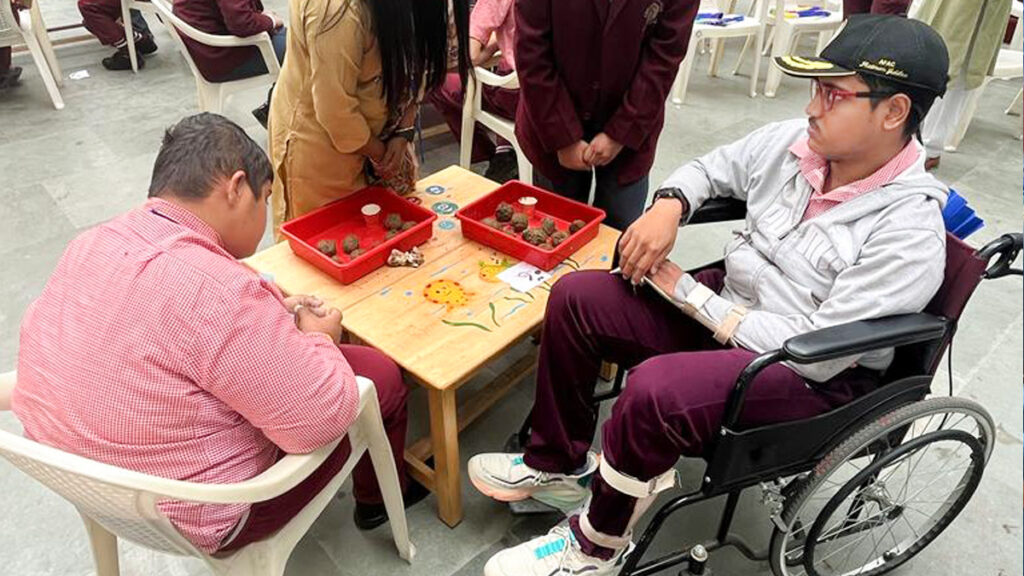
273	482
835	342
863	336
719	210
488	78
7	382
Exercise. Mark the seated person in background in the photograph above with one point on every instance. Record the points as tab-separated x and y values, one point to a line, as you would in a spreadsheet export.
152	348
843	224
242	18
102	18
492	28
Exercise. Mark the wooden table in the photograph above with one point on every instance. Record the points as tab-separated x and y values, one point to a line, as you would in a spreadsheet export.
444	339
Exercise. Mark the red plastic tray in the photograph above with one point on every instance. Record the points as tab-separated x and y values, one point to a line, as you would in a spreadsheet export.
342	217
561	210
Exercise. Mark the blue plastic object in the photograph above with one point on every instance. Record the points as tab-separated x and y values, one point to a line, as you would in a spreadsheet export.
961	220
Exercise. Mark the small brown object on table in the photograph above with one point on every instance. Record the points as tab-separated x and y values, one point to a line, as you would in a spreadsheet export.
442	322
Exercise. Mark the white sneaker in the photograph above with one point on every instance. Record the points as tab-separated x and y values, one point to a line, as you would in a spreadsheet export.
557	553
505	477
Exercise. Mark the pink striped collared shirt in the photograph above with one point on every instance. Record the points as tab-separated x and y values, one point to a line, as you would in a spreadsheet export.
814	168
152	348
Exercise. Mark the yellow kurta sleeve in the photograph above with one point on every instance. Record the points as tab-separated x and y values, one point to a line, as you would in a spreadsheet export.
336	60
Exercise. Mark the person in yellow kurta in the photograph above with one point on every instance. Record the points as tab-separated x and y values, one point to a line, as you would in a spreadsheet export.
343	111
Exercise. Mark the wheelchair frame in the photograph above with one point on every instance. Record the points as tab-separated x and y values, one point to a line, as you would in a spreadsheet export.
742	459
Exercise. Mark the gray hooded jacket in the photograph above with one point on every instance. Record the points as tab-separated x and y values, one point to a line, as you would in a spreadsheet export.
879	254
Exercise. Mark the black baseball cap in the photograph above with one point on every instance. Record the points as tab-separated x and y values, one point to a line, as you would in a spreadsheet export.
894	48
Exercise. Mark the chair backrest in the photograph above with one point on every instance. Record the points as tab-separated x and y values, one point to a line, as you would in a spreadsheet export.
964	271
10	32
128	513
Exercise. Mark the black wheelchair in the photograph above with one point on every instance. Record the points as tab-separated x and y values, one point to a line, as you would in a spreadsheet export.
862	489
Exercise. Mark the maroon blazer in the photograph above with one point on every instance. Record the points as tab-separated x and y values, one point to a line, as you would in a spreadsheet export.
235	17
591	66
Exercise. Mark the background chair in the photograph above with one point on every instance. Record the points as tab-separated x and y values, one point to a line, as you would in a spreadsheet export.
29	29
119	503
787	32
129	31
750	27
213	96
473	112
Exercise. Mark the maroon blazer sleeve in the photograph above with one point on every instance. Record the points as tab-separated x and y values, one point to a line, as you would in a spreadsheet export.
666	46
242	19
547	101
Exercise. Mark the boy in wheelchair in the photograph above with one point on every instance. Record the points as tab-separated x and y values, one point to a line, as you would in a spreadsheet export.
843	224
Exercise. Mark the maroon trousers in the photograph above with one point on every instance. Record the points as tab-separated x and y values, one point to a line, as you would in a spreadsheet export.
897	7
268	517
102	18
448	100
674	398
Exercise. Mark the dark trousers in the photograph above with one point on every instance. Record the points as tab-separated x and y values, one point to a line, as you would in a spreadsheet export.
897	7
448	99
268	517
622	204
102	18
255	65
673	402
5	53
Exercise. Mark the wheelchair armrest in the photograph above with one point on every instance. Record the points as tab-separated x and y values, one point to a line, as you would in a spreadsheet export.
863	336
835	342
719	210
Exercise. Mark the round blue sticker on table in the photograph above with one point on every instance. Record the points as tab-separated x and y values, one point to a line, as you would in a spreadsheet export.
435	190
446	225
444	208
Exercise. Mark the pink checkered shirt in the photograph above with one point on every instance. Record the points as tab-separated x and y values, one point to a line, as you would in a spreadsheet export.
814	168
152	348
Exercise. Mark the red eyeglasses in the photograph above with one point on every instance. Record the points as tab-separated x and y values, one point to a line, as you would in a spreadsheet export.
831	94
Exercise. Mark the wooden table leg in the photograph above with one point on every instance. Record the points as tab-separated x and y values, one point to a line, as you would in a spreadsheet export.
444	433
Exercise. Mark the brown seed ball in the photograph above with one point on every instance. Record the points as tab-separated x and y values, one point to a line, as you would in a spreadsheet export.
548	226
390	234
350	243
407	225
520	221
393	221
576	226
504	212
508	229
558	237
356	253
491	222
336	258
329	247
535	236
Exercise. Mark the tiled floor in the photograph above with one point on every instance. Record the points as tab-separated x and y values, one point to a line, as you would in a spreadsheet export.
61	172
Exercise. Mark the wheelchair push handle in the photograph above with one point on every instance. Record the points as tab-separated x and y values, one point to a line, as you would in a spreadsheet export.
1006	247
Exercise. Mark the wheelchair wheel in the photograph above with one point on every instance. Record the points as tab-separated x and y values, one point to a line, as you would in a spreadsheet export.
885	492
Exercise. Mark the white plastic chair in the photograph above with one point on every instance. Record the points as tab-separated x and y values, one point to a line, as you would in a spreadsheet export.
787	32
118	503
751	27
1009	66
129	30
32	32
214	95
473	112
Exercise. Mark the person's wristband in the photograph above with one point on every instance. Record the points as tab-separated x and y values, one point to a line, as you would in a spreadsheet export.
409	134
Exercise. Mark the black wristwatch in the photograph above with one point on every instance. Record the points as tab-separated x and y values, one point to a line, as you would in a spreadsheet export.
677	194
408	133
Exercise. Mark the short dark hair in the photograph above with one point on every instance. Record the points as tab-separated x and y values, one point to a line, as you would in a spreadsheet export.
920	101
200	149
